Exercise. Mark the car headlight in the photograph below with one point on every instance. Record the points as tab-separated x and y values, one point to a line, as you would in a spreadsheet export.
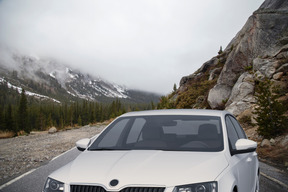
198	187
52	185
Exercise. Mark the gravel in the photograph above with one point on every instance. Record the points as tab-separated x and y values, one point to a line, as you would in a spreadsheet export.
21	154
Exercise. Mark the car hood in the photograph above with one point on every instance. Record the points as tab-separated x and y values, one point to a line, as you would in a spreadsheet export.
142	168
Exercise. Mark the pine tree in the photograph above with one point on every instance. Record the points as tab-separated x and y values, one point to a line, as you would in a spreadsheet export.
174	88
23	114
270	112
152	105
49	120
61	123
9	124
79	121
2	120
220	51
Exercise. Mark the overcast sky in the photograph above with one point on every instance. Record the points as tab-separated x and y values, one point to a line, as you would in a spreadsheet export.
143	44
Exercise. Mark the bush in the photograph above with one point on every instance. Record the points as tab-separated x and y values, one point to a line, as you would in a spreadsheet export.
246	121
270	112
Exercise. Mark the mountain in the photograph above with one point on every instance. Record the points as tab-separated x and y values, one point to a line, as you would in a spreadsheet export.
256	56
227	81
48	79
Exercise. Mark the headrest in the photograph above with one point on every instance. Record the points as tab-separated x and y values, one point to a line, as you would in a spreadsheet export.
152	132
208	131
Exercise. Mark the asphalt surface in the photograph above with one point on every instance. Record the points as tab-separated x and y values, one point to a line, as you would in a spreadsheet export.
266	185
271	179
35	180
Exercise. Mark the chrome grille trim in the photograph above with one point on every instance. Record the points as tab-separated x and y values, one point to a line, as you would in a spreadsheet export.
89	188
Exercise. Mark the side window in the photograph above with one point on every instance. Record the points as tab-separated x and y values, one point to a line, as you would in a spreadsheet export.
238	128
232	134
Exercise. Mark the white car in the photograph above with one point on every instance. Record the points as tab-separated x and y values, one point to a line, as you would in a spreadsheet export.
163	151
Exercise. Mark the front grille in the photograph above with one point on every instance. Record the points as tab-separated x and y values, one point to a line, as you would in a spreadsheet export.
88	188
143	189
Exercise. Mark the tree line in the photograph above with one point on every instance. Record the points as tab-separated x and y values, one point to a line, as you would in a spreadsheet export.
27	116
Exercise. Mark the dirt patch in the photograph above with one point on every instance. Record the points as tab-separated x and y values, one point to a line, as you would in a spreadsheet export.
276	153
20	154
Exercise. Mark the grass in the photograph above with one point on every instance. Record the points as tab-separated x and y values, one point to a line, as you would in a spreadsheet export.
275	154
6	134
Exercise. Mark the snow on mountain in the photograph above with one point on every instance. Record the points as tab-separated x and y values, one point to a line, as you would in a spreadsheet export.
51	73
46	77
28	93
84	85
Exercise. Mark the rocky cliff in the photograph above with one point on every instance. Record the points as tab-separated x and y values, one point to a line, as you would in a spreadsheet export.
260	49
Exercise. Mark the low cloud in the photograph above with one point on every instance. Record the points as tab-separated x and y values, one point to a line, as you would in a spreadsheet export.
145	44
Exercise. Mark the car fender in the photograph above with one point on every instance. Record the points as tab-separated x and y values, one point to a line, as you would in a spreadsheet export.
227	180
62	174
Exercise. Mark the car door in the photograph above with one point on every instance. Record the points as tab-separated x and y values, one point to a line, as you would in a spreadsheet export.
244	164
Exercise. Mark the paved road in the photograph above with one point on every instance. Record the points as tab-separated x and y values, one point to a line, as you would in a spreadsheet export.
266	185
271	178
34	181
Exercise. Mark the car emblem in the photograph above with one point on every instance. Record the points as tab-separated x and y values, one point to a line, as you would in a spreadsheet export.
114	182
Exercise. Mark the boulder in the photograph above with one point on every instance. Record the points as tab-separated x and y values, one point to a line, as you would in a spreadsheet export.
218	95
237	108
242	94
265	143
243	88
278	76
272	142
284	142
52	130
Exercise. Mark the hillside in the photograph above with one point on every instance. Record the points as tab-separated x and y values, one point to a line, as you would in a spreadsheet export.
227	81
230	79
51	80
39	93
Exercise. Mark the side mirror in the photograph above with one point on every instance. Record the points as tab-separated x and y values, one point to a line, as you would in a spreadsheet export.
245	146
82	144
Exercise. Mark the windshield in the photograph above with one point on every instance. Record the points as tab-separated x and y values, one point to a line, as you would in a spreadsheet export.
163	132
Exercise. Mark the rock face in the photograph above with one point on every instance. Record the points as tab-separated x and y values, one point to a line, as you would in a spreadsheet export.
260	37
260	49
242	94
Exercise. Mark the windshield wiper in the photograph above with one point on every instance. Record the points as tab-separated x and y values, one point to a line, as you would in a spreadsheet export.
102	149
107	149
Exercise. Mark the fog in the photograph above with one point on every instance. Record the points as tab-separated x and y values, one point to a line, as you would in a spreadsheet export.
144	44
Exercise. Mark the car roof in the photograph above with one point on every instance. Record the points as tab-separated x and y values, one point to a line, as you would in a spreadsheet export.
202	112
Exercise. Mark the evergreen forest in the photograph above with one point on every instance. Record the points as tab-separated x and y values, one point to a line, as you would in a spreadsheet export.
22	113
